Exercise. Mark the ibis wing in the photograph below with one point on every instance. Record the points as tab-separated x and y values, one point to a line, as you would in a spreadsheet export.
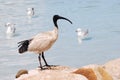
23	45
41	42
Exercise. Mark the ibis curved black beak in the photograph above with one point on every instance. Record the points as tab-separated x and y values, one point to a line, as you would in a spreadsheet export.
56	17
65	19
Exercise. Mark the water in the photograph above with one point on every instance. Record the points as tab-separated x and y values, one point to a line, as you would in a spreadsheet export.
101	17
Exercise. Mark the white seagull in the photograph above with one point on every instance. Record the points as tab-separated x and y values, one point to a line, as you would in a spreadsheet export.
81	34
42	41
30	12
10	29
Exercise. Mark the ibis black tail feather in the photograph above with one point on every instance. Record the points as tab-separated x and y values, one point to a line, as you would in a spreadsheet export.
23	46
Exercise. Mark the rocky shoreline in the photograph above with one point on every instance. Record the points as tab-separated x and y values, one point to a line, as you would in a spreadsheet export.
107	71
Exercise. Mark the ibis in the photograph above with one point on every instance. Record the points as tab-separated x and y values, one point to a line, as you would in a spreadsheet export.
41	42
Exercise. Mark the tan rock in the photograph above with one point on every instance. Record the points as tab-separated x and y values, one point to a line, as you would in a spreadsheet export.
108	71
105	75
113	68
94	72
21	72
56	73
89	73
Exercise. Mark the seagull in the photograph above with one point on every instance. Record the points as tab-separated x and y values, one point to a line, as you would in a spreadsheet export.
42	42
10	29
81	34
30	12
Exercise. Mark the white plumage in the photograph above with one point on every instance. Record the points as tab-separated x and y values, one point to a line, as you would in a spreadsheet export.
30	12
10	29
42	41
81	34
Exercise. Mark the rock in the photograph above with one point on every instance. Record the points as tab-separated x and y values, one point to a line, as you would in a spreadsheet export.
87	73
55	73
113	68
21	72
108	71
94	72
105	75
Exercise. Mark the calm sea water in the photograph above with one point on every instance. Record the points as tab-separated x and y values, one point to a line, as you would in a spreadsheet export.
101	17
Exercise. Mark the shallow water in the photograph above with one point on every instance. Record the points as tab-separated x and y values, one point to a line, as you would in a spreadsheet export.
101	17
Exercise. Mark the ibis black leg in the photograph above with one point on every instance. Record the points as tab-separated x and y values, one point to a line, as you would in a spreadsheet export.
46	64
39	57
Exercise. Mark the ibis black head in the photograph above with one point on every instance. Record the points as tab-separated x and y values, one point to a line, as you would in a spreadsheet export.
56	17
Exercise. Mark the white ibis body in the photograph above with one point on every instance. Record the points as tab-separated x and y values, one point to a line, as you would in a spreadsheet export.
42	41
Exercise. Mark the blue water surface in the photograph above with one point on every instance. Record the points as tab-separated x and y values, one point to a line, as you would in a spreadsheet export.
100	17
